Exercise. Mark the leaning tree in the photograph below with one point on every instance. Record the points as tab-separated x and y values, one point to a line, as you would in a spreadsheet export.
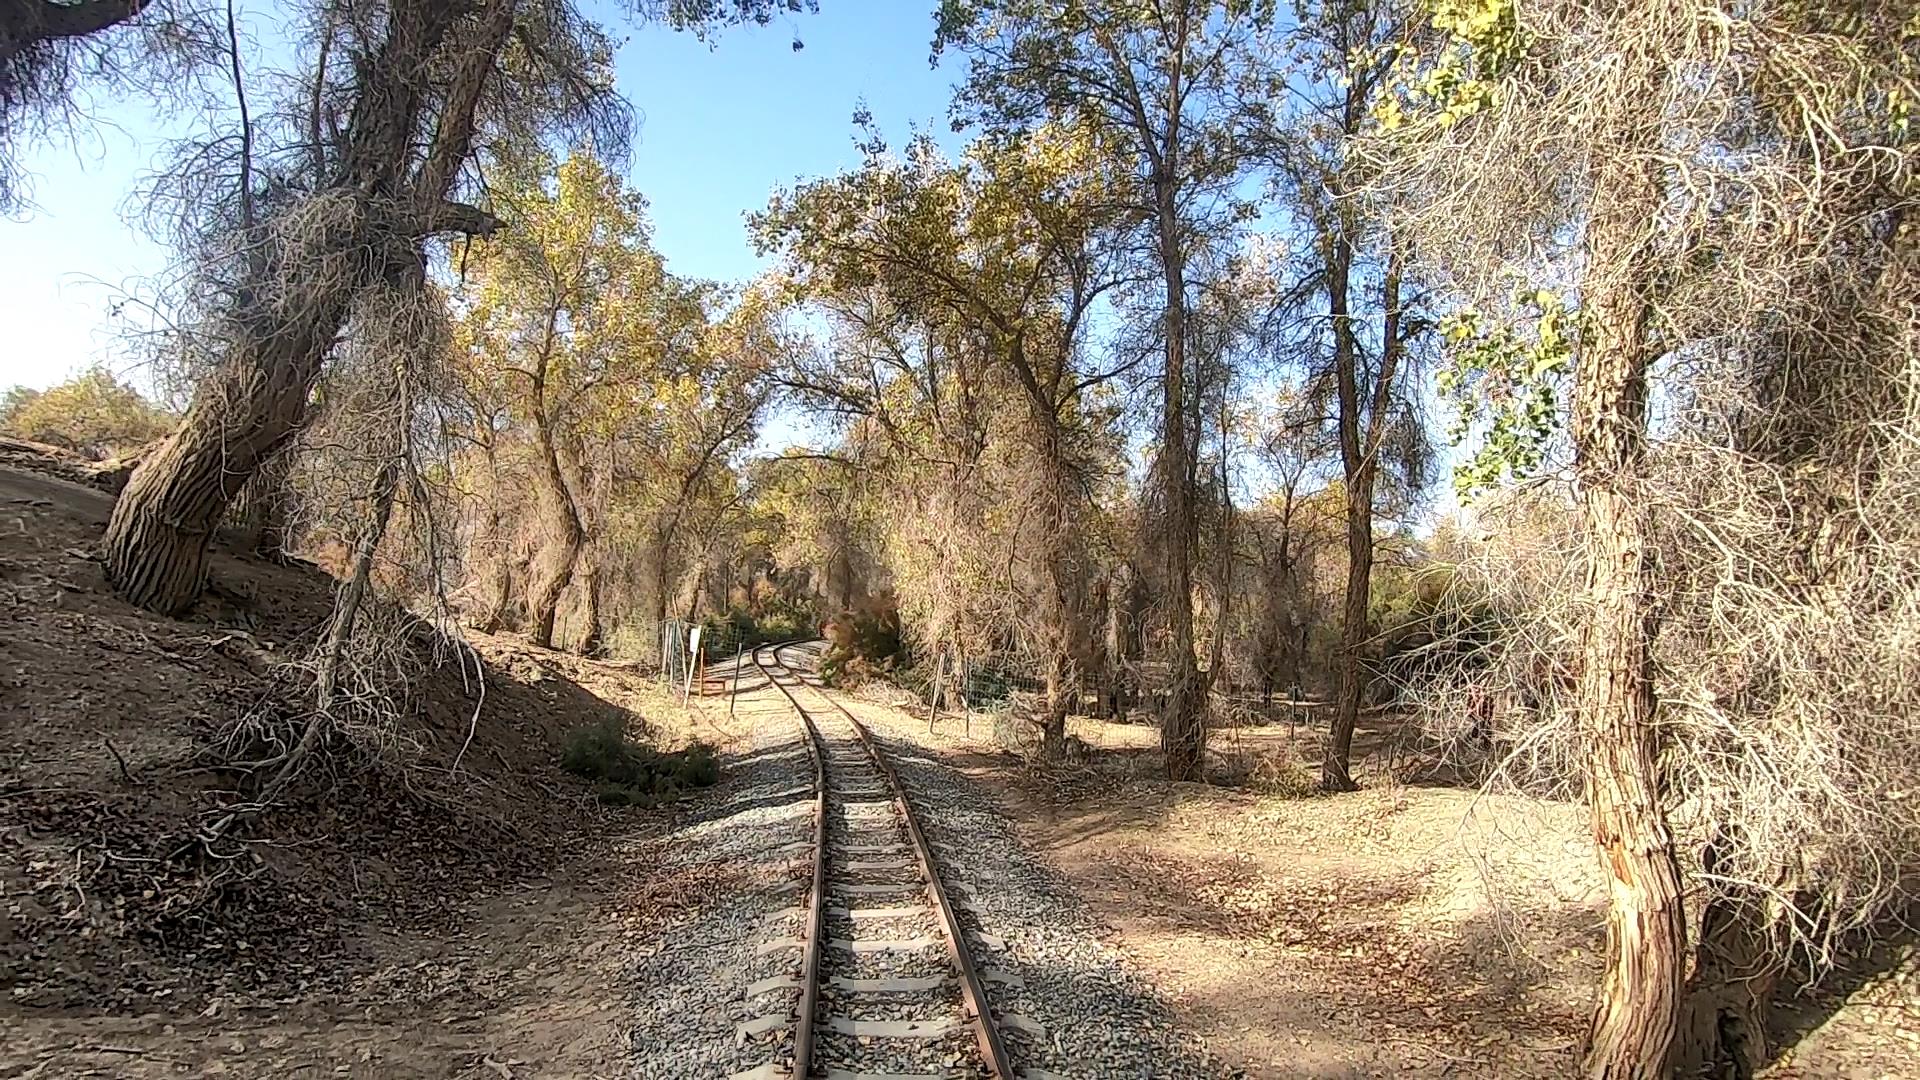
378	150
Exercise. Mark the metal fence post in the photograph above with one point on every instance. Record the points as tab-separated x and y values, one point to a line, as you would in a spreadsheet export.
739	652
933	699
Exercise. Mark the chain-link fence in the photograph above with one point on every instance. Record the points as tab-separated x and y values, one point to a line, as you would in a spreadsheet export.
1009	692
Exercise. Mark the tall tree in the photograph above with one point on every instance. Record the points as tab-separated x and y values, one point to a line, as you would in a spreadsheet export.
1724	183
1153	81
1011	249
1354	330
378	152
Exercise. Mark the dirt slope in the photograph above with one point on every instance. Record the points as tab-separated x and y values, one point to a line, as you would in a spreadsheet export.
380	890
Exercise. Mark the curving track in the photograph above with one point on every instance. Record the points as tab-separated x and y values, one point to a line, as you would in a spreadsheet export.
878	1000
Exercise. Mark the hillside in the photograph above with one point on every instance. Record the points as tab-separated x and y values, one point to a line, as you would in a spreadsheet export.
122	898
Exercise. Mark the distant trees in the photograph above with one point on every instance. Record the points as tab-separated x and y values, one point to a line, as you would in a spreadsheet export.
93	414
616	391
566	319
992	266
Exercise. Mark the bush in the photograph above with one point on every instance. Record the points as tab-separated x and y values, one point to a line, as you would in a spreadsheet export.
862	645
1271	771
628	773
92	414
720	635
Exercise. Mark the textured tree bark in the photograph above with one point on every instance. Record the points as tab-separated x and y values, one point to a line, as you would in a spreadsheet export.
1636	1023
588	579
1059	581
280	336
266	508
554	567
1360	440
156	540
1183	732
26	23
1736	969
1357	468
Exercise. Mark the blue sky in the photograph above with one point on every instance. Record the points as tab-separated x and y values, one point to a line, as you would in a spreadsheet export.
720	127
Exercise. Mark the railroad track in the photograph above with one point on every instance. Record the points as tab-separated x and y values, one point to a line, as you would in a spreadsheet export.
888	986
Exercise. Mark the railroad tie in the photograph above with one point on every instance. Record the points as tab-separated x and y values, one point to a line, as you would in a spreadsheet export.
777	982
885	945
880	888
778	914
991	942
898	985
1025	1026
760	1025
876	912
933	1027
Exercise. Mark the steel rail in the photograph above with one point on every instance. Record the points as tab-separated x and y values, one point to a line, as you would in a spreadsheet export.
973	992
815	933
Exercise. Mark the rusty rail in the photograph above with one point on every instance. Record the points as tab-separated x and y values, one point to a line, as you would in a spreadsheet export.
973	994
816	916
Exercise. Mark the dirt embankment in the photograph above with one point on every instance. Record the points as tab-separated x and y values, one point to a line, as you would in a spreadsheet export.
448	909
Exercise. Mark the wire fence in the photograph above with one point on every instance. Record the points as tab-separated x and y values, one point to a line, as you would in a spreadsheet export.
1011	690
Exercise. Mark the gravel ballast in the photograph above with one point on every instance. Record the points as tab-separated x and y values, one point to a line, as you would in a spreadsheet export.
1099	1021
1096	1020
689	984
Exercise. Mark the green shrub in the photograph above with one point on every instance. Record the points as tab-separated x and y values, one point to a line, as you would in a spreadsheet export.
93	414
628	773
720	635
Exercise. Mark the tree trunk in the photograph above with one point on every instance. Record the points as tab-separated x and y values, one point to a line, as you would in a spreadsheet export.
1357	468
156	540
1335	769
1636	1023
554	567
266	507
1059	574
588	579
1736	969
1183	733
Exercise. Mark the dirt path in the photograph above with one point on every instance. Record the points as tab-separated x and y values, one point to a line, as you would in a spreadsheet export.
463	910
535	982
1318	937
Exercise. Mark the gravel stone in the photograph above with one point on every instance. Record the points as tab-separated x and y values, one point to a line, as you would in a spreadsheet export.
689	986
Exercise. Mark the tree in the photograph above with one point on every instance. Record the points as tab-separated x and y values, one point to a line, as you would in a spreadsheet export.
1702	203
571	315
1355	323
375	157
92	414
1008	250
1151	81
